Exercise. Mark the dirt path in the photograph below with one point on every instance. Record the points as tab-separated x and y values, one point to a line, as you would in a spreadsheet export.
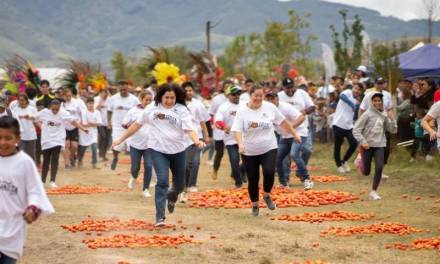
240	238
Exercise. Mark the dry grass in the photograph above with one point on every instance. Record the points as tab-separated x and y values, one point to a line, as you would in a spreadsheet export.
241	238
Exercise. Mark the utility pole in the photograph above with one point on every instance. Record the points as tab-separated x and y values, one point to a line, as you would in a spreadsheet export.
208	34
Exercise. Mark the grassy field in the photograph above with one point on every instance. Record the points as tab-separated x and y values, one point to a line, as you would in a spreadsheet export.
241	238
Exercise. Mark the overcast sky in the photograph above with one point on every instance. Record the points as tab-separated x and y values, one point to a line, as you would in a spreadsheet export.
403	9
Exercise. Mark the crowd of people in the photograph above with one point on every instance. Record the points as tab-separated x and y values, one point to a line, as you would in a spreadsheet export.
265	126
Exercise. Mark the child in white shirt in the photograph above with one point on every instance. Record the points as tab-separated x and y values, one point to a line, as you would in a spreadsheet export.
22	194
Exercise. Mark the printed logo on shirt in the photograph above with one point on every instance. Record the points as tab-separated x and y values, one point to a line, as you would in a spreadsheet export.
8	186
162	116
54	124
262	125
233	113
121	107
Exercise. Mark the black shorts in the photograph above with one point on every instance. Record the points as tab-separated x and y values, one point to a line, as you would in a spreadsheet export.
72	135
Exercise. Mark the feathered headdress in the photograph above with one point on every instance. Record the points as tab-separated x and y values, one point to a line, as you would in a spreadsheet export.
20	74
166	73
77	75
206	71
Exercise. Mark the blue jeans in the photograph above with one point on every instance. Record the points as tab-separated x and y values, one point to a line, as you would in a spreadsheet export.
192	165
162	163
234	159
301	153
136	157
82	151
6	260
210	148
282	163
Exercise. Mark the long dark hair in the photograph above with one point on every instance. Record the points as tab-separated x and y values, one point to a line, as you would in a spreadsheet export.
178	91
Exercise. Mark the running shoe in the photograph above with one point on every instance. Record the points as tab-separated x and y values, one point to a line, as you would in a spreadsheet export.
255	210
269	202
308	184
131	183
374	196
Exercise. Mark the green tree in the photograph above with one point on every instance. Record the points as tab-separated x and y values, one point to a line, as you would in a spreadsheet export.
348	52
119	66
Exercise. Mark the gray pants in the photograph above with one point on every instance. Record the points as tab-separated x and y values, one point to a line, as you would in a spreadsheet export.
29	147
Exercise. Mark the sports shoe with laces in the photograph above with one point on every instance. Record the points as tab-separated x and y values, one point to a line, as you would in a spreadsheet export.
269	202
308	184
374	196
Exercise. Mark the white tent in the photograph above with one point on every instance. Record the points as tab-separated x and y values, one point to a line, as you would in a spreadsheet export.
418	45
52	75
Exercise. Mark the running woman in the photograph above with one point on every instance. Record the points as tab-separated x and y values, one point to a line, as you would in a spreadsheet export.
22	194
53	136
255	134
104	130
170	122
76	108
370	131
118	106
139	145
25	114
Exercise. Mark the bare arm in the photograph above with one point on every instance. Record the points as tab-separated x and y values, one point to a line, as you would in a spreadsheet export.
239	138
425	124
289	128
127	133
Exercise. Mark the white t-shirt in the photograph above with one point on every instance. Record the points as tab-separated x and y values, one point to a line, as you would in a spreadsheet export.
20	186
168	127
245	98
199	114
387	101
76	108
103	110
301	100
344	114
119	107
291	114
226	113
87	139
218	100
53	128
27	127
138	140
257	127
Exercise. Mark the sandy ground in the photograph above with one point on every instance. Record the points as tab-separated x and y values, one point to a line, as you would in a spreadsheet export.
241	238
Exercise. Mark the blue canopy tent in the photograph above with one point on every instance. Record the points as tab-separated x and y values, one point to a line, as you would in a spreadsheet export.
421	62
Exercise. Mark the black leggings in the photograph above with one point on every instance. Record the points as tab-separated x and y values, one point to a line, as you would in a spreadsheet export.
50	157
252	166
387	148
339	135
219	150
378	154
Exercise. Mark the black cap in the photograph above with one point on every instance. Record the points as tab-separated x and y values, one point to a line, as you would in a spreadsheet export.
287	82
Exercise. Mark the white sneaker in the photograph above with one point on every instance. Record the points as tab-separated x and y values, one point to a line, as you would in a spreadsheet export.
346	167
160	223
131	183
374	196
308	184
341	169
146	193
183	197
384	176
53	185
193	189
411	160
428	158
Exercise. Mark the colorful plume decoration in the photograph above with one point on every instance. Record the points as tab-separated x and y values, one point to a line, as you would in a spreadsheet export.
20	74
166	73
81	74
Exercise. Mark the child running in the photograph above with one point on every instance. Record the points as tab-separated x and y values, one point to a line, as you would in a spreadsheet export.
22	194
53	135
369	131
90	139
